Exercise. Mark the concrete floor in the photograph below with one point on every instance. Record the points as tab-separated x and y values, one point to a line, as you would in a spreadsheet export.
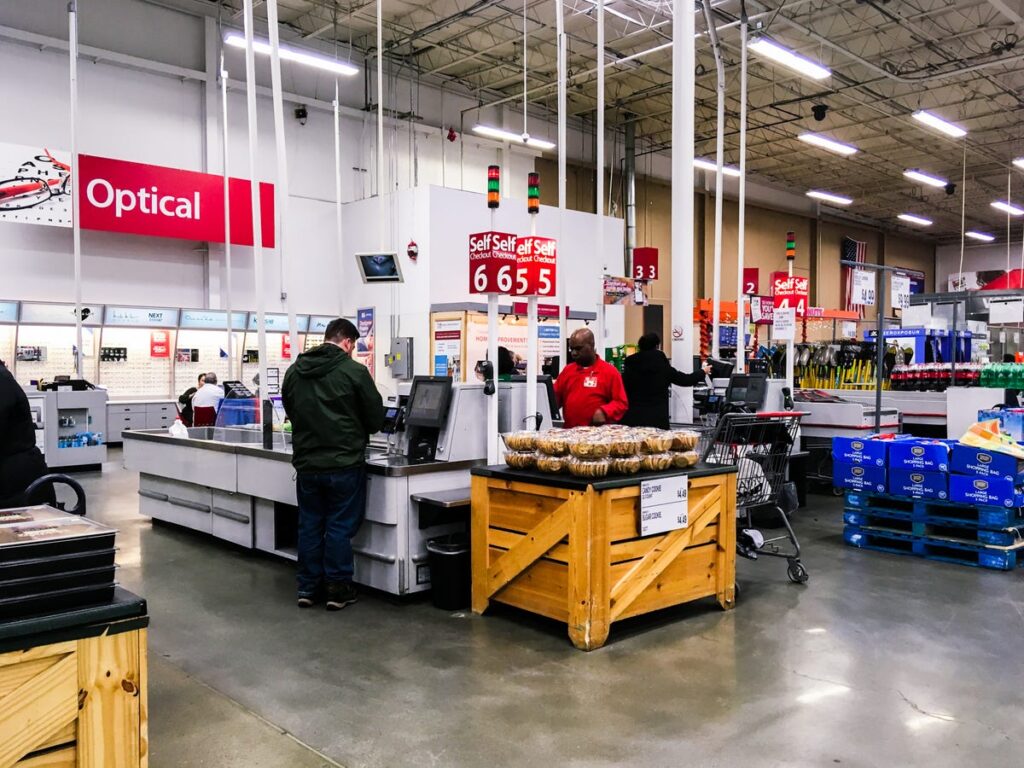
880	660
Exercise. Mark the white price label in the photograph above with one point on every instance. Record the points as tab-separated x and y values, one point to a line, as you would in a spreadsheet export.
849	329
664	505
1002	337
864	287
784	323
900	291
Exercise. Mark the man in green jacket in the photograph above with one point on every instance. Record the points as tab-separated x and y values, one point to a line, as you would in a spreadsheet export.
334	407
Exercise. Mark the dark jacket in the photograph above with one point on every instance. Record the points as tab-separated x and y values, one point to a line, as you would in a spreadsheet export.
648	376
20	461
334	407
186	406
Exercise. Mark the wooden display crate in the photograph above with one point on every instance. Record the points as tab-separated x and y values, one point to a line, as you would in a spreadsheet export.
571	551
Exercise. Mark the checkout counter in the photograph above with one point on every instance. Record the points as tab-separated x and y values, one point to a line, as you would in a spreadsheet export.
223	482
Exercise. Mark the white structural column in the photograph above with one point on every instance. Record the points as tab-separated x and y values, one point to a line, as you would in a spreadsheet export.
380	127
493	440
531	347
342	267
741	299
716	285
257	216
600	180
683	90
76	224
228	297
562	154
288	267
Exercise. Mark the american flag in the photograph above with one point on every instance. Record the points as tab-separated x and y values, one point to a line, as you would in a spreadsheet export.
851	250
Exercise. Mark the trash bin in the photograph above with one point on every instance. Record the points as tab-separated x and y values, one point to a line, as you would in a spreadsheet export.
450	577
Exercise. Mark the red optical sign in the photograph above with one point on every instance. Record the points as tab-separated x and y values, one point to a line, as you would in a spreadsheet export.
790	292
645	263
140	199
492	262
535	266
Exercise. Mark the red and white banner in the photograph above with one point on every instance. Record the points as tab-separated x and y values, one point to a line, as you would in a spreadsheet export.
140	199
790	292
492	262
535	266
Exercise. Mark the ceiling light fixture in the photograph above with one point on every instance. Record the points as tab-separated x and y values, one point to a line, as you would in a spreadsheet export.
924	178
915	219
236	40
787	58
514	138
828	197
826	143
1013	210
980	236
936	122
1019	162
707	165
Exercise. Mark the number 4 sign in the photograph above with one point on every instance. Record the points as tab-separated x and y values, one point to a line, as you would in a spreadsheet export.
492	262
790	292
535	266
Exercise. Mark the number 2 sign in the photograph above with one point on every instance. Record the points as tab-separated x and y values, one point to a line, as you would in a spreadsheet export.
645	264
492	262
535	266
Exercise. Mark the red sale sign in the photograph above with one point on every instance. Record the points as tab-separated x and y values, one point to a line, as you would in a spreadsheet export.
286	347
492	262
790	292
140	199
645	263
159	344
535	266
751	280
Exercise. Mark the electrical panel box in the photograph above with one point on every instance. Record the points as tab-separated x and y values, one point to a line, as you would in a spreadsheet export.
399	359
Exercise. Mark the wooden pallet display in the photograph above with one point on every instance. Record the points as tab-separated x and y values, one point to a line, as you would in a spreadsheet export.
576	556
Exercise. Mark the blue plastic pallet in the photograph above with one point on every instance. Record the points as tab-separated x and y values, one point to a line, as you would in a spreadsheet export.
933	528
980	515
960	553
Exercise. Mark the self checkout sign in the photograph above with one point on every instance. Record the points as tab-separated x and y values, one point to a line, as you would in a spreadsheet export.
790	292
645	263
492	262
535	266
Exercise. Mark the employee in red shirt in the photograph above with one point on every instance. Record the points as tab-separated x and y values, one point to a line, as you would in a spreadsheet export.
589	390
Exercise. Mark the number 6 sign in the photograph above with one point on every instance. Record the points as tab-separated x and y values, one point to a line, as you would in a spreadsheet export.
535	266
492	262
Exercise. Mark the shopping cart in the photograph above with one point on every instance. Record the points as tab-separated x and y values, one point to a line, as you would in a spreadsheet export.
758	445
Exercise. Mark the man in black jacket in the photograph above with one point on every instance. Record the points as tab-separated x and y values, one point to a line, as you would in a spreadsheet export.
647	376
21	463
334	407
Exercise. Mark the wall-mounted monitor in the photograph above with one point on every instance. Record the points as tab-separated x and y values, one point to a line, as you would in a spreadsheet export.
377	267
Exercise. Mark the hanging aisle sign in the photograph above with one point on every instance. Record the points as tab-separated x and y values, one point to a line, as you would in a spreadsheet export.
645	264
900	291
863	287
492	262
535	266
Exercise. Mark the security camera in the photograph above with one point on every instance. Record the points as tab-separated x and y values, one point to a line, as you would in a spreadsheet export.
301	113
950	188
819	111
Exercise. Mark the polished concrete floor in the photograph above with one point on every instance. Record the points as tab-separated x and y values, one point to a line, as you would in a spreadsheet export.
879	660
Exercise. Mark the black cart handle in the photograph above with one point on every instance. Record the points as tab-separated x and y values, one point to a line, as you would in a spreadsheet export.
58	479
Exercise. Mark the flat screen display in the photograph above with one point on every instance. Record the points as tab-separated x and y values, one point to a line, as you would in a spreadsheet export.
379	267
428	401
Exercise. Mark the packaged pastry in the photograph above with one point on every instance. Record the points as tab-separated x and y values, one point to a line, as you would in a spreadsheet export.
520	441
625	465
657	442
590	448
684	459
589	468
656	462
624	445
553	443
684	440
521	459
551	463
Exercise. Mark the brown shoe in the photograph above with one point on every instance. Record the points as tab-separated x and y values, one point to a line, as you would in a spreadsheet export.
340	594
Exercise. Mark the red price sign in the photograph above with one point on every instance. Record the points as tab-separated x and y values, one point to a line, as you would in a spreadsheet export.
645	264
790	292
159	344
286	347
751	280
535	266
492	262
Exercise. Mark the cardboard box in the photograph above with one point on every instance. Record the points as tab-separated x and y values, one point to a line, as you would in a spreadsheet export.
858	477
978	462
920	455
918	485
868	450
990	491
1011	420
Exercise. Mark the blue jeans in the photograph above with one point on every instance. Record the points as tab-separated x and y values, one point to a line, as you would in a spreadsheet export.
331	509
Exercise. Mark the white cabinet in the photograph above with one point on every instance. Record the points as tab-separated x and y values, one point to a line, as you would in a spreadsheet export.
138	414
233	517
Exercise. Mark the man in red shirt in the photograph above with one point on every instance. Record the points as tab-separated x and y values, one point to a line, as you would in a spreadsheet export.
589	390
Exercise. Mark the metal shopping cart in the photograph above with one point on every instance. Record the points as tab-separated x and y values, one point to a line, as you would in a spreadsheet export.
759	446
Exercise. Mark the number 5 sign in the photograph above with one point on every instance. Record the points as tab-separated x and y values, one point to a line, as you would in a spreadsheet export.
492	262
535	266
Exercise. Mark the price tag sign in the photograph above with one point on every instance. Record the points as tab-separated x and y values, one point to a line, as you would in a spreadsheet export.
492	262
664	505
900	291
790	292
863	287
751	280
784	324
849	329
535	266
645	264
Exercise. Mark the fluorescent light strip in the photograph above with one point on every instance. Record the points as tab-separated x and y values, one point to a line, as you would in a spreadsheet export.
782	55
1013	210
936	122
915	219
980	236
707	165
290	54
828	197
924	178
1019	162
515	138
826	143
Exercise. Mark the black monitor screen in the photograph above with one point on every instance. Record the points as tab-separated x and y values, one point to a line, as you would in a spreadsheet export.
747	389
429	401
379	267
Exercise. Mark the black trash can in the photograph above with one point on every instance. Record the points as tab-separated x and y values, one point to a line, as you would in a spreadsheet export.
450	575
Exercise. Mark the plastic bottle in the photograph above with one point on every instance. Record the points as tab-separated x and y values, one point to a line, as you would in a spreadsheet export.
177	429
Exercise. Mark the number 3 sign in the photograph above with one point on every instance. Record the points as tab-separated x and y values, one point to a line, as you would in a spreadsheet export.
492	262
535	266
645	264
